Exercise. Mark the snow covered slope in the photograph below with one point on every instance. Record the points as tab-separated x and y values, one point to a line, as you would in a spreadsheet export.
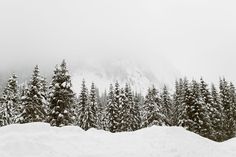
136	73
41	140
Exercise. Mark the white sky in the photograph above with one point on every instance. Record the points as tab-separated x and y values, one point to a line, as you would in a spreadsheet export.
197	37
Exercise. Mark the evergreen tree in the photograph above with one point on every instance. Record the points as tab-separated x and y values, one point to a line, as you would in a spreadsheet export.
177	108
139	105
119	122
45	94
232	108
133	113
152	113
10	109
123	112
61	98
197	118
102	111
208	110
225	100
194	109
217	118
167	108
185	99
110	111
34	100
93	107
84	116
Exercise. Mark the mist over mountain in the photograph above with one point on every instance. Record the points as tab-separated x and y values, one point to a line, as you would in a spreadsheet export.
139	75
103	71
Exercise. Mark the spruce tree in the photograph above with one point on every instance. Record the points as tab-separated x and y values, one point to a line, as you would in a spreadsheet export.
133	113
232	108
217	117
34	100
93	107
124	111
119	123
10	102
102	111
152	109
84	116
61	98
99	109
208	109
139	107
196	112
167	108
110	123
187	102
225	100
177	107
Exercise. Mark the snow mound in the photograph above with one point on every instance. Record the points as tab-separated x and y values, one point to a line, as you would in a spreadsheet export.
41	140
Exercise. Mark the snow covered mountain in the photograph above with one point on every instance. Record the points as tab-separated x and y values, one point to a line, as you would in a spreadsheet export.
138	75
41	140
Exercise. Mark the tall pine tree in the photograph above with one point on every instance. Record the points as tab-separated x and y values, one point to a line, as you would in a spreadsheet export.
208	109
225	100
33	101
217	117
110	123
83	108
93	107
152	109
167	108
132	112
61	98
10	102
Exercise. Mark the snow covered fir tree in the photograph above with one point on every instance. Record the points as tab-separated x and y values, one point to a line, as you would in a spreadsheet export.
61	98
10	102
34	100
208	110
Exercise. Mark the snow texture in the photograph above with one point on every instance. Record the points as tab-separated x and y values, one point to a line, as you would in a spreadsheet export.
41	140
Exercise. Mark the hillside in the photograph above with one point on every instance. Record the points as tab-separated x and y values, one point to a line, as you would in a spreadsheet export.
41	140
139	75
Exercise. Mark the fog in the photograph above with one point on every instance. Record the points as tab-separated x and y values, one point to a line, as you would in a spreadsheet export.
196	37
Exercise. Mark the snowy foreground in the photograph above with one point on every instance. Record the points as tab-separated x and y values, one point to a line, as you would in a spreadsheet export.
41	140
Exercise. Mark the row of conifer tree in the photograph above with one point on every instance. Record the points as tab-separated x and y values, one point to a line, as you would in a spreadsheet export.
207	111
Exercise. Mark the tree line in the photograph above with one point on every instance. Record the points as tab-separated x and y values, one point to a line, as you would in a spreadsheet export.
209	111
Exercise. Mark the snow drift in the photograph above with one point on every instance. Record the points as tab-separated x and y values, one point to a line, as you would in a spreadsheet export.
41	140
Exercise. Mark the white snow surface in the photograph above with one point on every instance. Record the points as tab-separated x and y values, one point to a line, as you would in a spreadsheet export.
41	140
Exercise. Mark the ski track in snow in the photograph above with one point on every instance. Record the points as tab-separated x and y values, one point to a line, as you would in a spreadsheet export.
41	140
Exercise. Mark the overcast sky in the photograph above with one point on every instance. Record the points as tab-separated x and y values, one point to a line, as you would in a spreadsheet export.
197	37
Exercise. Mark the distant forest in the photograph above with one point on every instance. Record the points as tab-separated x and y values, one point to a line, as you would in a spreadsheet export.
207	110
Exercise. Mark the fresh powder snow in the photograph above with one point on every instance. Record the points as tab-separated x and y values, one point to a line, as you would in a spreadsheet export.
41	140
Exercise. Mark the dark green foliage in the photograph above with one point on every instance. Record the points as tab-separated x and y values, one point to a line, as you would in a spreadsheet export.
10	102
132	111
83	108
110	111
88	107
217	116
177	103
61	98
33	108
167	107
152	109
227	97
